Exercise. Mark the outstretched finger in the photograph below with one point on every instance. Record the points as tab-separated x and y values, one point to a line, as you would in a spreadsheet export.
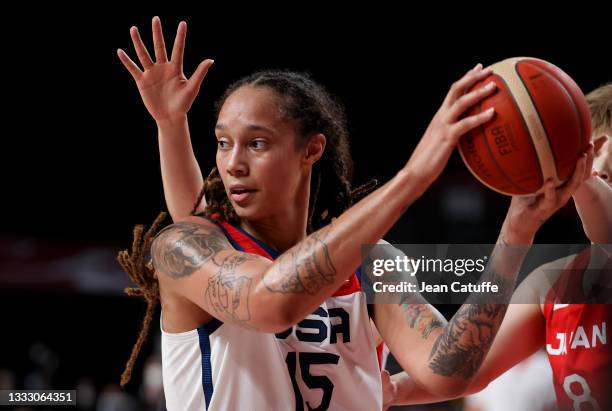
141	50
468	100
198	76
468	80
129	64
158	41
178	49
465	125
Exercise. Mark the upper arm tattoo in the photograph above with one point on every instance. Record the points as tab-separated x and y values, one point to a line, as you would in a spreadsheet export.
182	248
306	267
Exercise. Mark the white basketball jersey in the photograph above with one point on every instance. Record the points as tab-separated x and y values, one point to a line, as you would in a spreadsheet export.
330	355
220	367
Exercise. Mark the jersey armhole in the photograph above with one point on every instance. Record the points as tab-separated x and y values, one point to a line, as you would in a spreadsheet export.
371	311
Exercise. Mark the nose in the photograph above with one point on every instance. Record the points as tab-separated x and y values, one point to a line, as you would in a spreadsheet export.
604	173
236	163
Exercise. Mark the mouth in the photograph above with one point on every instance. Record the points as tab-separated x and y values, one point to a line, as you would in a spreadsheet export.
241	195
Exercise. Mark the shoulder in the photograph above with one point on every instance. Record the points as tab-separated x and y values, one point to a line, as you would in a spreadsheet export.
187	244
538	283
188	227
546	274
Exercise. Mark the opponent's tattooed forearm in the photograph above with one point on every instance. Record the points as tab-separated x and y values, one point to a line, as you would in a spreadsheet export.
306	267
421	318
461	348
182	248
228	292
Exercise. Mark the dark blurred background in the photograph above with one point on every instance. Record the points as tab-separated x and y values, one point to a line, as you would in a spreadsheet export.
80	161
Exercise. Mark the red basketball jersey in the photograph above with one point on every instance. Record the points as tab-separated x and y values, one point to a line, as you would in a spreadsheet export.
578	343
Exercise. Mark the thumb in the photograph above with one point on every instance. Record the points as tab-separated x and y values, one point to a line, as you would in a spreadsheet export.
198	76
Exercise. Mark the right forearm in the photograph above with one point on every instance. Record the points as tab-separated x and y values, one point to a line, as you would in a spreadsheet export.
181	175
318	265
460	349
409	393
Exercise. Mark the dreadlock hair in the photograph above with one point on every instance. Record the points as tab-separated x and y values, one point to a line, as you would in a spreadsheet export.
314	111
142	274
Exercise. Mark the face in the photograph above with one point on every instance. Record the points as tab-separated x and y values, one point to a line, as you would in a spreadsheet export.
602	162
257	150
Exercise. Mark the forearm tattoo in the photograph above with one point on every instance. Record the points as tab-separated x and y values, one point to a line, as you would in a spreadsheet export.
228	292
461	348
182	248
306	267
421	318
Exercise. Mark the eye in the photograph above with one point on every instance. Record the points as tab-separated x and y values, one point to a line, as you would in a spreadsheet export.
258	144
222	144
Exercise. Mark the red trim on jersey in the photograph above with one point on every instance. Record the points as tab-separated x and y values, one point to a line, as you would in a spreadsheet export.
379	353
350	286
245	242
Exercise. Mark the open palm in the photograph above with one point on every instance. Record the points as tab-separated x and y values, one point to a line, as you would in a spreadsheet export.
166	92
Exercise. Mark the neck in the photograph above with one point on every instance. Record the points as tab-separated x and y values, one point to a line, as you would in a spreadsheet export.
284	230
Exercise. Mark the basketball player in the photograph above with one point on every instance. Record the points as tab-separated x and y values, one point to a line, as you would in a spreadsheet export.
266	257
576	336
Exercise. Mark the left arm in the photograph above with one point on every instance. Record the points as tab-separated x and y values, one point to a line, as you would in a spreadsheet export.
443	358
524	317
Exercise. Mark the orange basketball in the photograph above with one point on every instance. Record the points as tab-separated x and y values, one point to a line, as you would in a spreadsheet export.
541	126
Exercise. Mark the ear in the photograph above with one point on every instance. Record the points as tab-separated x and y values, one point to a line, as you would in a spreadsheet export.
599	142
315	148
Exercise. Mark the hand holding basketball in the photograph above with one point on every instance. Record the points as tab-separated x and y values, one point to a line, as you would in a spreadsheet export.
541	128
527	213
433	151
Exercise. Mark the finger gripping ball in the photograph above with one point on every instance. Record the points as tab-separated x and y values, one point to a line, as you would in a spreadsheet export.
541	126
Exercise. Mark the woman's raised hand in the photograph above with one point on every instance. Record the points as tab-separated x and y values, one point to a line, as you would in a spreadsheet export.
166	92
